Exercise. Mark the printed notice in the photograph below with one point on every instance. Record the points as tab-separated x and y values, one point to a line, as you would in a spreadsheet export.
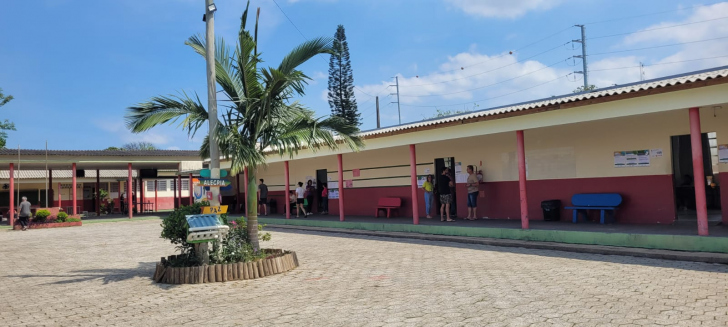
723	152
637	158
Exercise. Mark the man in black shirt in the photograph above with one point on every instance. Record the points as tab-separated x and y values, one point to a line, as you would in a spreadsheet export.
444	183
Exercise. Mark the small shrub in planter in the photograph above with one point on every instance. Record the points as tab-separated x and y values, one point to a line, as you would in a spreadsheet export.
73	220
62	217
41	216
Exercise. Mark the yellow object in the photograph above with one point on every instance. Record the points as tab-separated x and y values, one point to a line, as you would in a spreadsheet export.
427	186
215	210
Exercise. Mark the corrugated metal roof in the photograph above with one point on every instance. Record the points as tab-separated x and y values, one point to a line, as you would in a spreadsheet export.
719	72
103	153
41	174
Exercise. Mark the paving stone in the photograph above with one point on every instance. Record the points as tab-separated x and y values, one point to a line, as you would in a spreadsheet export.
99	275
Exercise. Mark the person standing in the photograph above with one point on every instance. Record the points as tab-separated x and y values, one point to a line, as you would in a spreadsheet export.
300	192
263	196
428	195
444	184
472	184
325	200
24	214
310	191
122	205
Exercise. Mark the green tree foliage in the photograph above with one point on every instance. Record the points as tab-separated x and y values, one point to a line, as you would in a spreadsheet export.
258	114
582	88
5	125
341	81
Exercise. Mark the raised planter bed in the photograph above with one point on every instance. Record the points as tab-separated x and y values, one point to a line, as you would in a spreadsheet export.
33	225
279	261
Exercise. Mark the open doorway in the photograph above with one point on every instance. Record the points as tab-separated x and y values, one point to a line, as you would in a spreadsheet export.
685	183
321	180
441	163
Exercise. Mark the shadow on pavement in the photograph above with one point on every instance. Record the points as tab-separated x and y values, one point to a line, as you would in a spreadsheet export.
618	259
107	276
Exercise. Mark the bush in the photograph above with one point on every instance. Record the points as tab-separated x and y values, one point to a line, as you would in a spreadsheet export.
174	229
41	216
62	217
73	220
236	247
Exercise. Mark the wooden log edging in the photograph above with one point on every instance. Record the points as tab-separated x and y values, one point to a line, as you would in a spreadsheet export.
278	262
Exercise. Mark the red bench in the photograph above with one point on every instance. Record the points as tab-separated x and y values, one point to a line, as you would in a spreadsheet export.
388	204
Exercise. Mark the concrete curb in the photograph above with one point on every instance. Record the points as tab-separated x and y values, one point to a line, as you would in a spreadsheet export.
578	248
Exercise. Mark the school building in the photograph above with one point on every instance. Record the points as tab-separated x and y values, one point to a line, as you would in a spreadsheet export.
660	144
73	179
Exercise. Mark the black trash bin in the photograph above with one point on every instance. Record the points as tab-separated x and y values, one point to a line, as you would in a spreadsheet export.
551	210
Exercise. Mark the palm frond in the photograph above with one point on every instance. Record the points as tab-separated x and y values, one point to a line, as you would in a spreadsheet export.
161	110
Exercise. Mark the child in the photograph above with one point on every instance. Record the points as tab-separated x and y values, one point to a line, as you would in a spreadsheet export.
325	200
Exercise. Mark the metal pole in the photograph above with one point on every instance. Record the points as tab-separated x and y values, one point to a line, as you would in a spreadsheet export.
212	99
413	185
49	176
584	72
98	193
73	190
11	214
522	179
399	113
696	143
377	100
130	208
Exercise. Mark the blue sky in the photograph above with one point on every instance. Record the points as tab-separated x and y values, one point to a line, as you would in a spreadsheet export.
73	66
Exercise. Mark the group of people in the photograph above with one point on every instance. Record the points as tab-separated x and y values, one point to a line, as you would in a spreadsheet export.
444	188
302	199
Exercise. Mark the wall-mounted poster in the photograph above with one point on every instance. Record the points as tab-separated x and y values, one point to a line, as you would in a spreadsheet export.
333	194
723	152
349	183
636	158
421	179
333	185
356	172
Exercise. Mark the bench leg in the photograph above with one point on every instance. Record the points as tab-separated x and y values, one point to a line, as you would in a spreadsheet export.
601	217
389	211
575	216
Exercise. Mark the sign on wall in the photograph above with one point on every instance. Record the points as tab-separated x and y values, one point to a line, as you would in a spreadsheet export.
333	194
214	182
215	210
636	158
723	152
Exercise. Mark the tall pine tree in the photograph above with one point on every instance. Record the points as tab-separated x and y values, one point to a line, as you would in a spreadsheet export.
341	81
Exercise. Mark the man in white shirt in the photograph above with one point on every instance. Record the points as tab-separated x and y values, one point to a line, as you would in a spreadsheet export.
300	192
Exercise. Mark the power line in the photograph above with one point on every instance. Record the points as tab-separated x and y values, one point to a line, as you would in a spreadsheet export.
492	70
659	46
657	64
659	28
489	85
653	13
491	98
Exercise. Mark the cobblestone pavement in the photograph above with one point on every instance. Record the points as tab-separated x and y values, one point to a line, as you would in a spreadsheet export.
99	274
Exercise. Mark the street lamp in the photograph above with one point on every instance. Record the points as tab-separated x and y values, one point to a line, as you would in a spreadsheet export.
211	7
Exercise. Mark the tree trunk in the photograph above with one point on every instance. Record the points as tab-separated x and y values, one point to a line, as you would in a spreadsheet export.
252	195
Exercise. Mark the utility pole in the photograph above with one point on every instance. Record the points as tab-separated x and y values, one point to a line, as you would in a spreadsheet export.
396	83
210	9
377	100
584	72
642	71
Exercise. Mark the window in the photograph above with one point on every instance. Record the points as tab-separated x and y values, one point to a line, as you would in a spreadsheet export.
185	185
162	186
114	187
150	186
104	186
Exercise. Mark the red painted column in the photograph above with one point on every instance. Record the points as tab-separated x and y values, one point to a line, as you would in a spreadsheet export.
189	190
288	190
522	179
142	189
698	171
413	182
340	160
174	193
73	189
179	191
156	207
98	194
50	190
128	193
245	176
11	214
237	192
60	200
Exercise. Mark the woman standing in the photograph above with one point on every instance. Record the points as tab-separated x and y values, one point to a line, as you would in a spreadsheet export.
428	195
310	191
299	200
325	200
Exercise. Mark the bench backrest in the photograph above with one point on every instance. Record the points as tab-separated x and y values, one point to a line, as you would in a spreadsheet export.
389	202
596	200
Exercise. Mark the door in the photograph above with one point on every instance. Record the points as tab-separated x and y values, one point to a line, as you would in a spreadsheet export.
321	180
440	164
685	183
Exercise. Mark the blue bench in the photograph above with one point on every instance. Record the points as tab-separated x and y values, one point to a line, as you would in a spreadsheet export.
595	201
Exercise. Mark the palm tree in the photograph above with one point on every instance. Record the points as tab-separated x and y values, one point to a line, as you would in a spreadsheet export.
258	115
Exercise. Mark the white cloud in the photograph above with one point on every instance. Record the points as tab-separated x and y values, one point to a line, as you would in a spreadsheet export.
501	8
125	136
173	148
